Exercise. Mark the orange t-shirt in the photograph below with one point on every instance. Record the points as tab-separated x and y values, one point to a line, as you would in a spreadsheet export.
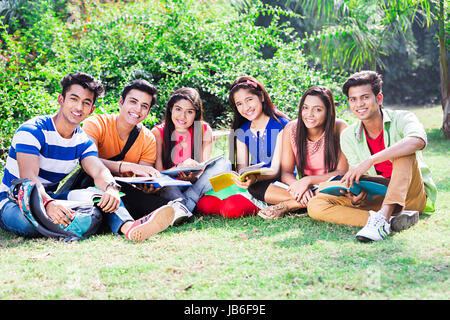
103	128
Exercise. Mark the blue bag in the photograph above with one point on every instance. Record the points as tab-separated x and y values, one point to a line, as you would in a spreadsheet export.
87	218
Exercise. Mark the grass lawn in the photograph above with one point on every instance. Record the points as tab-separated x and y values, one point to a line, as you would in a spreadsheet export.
250	258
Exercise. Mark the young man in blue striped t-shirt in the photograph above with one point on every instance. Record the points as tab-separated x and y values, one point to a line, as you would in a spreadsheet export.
46	149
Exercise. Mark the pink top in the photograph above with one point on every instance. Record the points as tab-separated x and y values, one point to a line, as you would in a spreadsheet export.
315	157
183	143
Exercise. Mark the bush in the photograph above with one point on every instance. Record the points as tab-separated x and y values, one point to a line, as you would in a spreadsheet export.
170	43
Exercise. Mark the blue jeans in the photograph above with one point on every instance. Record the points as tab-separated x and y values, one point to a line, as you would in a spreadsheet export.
192	194
13	220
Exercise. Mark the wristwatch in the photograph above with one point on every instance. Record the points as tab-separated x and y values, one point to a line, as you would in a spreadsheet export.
113	184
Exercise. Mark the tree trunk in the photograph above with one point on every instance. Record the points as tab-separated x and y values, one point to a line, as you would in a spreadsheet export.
445	83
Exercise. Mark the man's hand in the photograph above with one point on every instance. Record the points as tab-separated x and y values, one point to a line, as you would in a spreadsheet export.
110	200
356	200
355	173
58	213
143	170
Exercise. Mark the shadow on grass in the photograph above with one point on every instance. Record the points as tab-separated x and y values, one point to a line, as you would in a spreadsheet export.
296	230
9	240
305	230
299	229
437	143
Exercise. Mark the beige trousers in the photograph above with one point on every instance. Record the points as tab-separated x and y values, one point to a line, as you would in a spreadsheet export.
406	190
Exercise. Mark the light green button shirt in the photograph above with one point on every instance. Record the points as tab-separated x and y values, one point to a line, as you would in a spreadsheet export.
397	125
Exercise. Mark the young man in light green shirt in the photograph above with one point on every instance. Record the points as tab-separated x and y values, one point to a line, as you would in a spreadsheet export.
382	142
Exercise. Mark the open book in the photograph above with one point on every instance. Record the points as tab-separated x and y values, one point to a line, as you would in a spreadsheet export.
162	181
286	187
225	179
202	165
84	197
373	185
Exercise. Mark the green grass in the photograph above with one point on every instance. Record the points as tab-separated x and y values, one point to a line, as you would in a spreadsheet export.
250	258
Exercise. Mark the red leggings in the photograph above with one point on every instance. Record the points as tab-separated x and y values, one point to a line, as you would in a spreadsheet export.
235	206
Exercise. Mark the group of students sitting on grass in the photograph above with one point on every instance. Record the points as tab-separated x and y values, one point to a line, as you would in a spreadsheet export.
301	153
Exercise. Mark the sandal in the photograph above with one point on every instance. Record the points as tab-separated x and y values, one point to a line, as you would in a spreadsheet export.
273	212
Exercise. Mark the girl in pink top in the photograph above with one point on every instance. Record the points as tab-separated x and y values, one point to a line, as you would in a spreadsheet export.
311	145
184	140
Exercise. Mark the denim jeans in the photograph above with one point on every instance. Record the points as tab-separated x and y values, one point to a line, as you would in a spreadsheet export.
192	194
13	220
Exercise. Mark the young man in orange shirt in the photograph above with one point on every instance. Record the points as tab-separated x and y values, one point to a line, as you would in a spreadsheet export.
110	133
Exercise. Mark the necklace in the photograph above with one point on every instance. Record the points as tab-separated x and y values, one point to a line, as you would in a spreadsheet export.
314	146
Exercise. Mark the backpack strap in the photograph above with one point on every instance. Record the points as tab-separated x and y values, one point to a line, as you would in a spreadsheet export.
130	141
81	180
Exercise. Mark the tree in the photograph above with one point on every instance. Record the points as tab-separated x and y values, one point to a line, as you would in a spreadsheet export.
443	16
356	34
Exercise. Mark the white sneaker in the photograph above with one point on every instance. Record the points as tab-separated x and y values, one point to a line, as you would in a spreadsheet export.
376	228
181	212
404	220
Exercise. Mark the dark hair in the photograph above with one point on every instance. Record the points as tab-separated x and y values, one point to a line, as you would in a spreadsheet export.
331	143
191	95
364	77
83	79
257	88
268	108
141	85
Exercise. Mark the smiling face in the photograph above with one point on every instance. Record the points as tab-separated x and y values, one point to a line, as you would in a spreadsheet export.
364	104
135	107
76	104
183	115
248	104
314	112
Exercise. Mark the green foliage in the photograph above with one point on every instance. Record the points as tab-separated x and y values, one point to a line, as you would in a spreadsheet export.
170	43
394	37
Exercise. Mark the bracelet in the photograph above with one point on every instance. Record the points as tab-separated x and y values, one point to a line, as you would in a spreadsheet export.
114	185
46	202
355	205
120	166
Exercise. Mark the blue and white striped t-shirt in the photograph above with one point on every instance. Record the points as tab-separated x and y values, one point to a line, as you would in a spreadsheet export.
57	156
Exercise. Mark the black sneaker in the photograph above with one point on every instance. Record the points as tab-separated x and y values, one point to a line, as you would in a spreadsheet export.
404	220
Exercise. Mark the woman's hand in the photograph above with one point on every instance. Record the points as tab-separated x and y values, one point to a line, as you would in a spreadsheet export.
187	177
188	163
147	188
298	188
249	180
306	197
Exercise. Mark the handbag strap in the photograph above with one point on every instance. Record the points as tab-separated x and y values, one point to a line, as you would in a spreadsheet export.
131	139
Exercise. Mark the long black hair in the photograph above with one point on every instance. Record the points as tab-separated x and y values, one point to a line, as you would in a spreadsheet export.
268	108
191	95
331	144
